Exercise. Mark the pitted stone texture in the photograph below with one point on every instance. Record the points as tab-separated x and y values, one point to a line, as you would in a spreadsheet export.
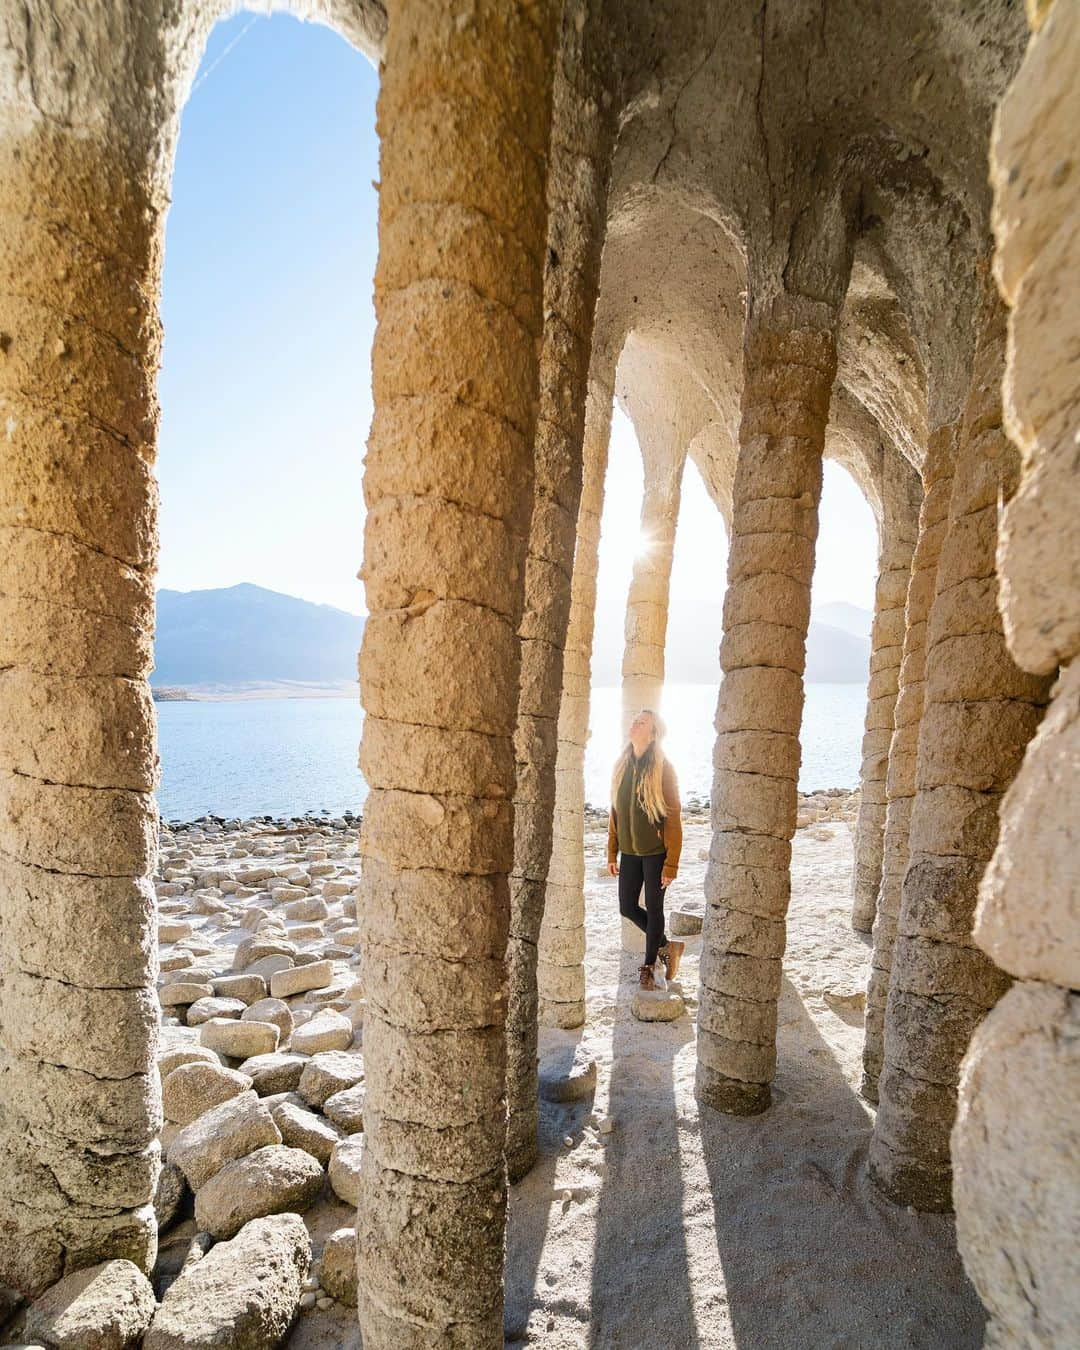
248	988
105	1307
1016	1148
194	1088
339	1266
900	773
684	923
299	979
327	1030
329	1073
174	1056
240	1038
271	1180
1028	918
242	1294
648	1006
273	1010
978	715
220	1135
345	1169
789	366
305	1129
346	1109
203	1009
277	1072
560	984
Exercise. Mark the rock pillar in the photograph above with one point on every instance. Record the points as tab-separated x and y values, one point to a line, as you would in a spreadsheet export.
577	194
788	371
561	973
903	746
979	712
84	150
647	600
464	119
898	529
1016	1142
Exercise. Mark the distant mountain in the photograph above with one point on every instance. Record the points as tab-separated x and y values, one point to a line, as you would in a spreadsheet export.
244	636
835	654
246	639
851	618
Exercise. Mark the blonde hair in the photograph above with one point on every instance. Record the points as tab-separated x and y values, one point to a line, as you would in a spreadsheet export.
650	788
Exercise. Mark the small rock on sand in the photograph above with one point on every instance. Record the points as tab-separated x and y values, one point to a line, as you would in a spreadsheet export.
561	1083
658	1006
684	923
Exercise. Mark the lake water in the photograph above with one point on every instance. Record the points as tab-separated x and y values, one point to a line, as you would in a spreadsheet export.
288	756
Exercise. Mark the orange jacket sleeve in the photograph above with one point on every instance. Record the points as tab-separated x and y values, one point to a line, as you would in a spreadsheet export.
672	820
612	837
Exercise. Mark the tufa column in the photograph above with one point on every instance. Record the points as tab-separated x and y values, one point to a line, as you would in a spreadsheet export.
980	710
84	153
577	194
789	363
561	972
901	492
1016	1142
650	583
464	117
903	746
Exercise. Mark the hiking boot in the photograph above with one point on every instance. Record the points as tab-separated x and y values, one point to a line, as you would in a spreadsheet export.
646	981
671	955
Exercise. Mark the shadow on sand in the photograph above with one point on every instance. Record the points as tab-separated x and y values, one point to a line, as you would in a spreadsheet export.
812	1254
640	1214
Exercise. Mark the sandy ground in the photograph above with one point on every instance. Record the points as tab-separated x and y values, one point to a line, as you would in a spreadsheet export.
674	1230
681	1230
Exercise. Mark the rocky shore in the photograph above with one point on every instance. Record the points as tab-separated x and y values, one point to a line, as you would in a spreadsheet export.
261	1063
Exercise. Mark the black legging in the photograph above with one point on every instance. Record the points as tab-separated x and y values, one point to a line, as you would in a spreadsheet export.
635	871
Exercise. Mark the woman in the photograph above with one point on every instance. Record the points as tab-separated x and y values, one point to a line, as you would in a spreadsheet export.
645	831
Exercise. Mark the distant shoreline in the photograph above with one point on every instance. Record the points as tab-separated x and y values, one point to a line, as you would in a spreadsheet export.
349	690
233	694
824	802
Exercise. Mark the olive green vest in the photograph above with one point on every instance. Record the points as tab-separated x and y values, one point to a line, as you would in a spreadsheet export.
637	833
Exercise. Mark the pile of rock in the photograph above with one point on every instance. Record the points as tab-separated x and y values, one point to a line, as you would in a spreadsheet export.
828	805
262	1083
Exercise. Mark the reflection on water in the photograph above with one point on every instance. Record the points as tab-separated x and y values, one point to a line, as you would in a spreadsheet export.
286	756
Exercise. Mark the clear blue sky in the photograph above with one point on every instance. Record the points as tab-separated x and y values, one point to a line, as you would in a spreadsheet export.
269	258
265	388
